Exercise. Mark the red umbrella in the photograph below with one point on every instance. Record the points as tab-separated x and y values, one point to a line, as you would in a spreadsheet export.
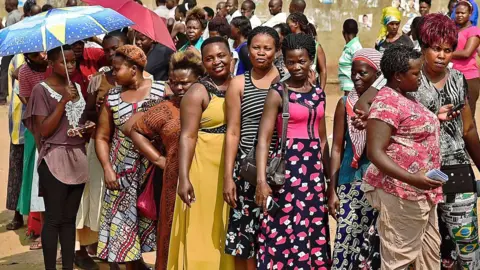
146	21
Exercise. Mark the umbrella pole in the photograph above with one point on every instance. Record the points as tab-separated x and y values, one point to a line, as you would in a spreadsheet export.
65	63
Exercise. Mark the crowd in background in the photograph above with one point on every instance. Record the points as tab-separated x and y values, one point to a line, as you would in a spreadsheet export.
121	145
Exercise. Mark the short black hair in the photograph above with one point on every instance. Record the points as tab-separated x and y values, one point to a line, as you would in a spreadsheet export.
251	3
265	30
300	4
139	1
396	59
284	29
428	2
299	41
243	24
210	12
350	26
117	34
220	25
54	53
27	7
415	26
212	40
46	7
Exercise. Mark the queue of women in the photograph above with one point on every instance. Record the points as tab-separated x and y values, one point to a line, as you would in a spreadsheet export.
171	154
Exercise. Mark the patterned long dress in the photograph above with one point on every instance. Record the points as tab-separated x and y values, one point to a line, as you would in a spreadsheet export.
124	235
162	124
297	237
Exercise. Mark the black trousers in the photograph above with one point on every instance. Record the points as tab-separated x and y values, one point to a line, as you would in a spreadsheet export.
61	207
4	77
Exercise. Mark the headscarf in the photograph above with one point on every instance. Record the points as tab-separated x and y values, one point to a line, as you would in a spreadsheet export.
134	54
359	137
473	17
389	14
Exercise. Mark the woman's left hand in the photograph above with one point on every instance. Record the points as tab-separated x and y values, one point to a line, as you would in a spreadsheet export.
262	192
446	114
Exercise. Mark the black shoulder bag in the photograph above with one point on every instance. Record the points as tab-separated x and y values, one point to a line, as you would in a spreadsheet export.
276	165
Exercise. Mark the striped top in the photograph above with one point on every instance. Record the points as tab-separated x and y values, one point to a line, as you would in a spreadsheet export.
251	113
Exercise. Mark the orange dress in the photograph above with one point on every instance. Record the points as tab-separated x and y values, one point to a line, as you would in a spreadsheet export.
161	123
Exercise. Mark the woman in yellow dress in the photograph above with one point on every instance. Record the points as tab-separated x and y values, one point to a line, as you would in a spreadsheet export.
200	216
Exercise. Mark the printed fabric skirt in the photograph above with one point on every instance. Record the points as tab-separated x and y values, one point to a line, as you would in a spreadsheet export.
354	221
124	235
14	175
297	236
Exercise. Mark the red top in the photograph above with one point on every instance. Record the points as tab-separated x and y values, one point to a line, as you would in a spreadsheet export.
414	144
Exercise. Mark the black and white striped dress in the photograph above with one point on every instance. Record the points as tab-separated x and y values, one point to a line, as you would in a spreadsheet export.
244	220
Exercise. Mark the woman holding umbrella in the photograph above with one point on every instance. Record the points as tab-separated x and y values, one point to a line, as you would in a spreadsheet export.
54	108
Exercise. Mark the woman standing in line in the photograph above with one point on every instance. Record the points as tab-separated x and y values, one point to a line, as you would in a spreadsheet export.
298	23
195	25
55	107
200	216
390	33
161	124
346	201
29	75
464	56
403	143
240	30
124	235
244	105
297	235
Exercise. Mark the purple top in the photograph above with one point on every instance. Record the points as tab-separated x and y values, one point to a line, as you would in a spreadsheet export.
65	156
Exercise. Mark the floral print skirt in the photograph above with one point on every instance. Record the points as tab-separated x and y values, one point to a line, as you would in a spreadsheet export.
297	237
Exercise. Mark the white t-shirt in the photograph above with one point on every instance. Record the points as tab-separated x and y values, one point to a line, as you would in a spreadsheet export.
237	13
277	19
162	11
255	21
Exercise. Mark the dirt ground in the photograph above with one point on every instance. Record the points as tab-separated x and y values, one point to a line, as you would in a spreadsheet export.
14	246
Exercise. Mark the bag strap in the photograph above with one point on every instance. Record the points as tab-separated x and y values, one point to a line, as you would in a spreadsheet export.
285	118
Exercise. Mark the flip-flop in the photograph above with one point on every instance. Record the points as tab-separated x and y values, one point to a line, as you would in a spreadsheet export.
36	245
14	225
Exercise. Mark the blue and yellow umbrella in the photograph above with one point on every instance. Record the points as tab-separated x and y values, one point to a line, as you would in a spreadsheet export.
58	27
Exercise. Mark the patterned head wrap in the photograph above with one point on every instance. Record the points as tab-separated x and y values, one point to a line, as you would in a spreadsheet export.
370	56
389	15
359	137
134	54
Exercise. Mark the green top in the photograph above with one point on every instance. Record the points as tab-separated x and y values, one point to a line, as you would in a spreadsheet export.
345	64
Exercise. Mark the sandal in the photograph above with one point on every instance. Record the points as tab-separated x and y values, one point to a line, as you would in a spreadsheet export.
36	245
14	225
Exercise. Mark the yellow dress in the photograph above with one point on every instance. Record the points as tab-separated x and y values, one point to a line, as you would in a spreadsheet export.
197	241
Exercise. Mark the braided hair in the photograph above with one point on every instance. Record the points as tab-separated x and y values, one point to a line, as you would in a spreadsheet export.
298	42
396	59
305	26
264	30
243	24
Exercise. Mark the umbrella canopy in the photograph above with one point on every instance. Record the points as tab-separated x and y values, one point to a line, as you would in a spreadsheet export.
146	21
58	27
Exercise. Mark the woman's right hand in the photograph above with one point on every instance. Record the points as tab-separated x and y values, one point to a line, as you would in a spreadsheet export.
333	202
359	121
70	94
110	179
262	192
421	181
186	192
230	192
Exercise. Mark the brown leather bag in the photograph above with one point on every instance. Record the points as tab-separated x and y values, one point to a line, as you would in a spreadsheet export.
276	165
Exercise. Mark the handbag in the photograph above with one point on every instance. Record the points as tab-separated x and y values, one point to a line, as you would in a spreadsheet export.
275	166
460	179
146	204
